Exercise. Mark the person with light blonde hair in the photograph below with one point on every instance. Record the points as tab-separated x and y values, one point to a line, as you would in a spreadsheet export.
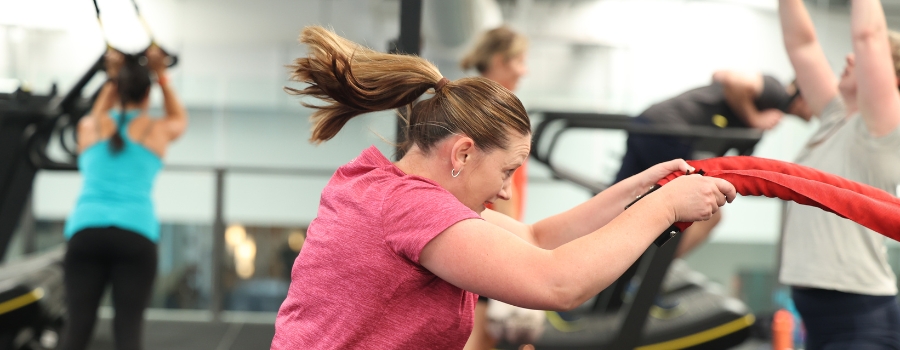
499	55
400	250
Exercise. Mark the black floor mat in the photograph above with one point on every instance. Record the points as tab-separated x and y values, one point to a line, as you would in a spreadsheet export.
188	335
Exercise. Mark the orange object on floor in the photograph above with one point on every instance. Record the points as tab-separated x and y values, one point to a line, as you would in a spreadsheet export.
783	330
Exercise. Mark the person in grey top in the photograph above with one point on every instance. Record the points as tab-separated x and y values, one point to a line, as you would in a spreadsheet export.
841	282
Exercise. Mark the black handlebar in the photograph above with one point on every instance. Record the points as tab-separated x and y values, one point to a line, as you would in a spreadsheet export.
704	138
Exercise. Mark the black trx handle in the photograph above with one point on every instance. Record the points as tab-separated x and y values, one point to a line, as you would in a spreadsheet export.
172	59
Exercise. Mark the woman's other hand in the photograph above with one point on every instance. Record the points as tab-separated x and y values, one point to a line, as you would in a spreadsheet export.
651	176
695	197
156	59
114	60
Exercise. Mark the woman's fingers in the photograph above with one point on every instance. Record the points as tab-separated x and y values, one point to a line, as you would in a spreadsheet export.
726	188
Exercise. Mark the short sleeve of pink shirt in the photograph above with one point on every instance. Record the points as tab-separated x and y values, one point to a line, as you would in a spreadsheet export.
357	282
416	212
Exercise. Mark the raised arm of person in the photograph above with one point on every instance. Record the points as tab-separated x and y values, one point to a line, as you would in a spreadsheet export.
876	77
108	97
814	75
106	100
176	118
741	92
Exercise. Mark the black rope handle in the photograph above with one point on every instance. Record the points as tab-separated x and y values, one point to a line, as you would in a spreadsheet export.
171	59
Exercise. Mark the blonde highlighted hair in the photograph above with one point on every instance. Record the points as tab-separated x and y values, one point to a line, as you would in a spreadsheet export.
894	39
502	40
353	80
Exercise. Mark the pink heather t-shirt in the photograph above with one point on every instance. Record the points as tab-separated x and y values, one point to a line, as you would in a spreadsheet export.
357	283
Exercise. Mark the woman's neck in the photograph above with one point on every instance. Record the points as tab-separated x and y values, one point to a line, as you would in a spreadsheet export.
132	106
492	74
419	163
850	103
412	163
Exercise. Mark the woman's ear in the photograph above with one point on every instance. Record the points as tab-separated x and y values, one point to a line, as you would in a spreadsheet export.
462	152
498	61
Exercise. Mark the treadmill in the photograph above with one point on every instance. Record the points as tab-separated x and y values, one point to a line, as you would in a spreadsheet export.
624	315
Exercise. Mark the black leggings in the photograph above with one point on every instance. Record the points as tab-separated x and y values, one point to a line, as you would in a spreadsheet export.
837	321
96	257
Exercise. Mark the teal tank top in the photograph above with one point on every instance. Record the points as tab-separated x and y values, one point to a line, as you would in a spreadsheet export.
117	186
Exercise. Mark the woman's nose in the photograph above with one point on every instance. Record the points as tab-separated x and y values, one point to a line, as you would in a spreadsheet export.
504	192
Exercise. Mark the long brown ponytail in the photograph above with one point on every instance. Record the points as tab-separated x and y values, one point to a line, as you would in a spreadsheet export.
132	85
353	80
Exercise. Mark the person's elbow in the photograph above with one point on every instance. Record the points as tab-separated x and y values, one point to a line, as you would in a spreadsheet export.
565	294
799	39
869	34
567	299
178	124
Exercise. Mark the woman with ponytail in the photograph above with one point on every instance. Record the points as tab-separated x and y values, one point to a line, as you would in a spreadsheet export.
112	231
399	251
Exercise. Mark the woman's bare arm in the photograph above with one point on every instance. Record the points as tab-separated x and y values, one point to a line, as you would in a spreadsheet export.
589	216
814	75
741	91
879	102
176	118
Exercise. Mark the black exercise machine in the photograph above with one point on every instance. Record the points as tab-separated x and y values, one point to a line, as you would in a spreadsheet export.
624	315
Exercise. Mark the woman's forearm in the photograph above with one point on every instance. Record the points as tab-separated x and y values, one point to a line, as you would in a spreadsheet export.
876	75
796	25
171	104
814	75
867	21
106	100
596	260
587	217
176	114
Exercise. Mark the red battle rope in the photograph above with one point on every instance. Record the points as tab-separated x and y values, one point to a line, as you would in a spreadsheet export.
751	176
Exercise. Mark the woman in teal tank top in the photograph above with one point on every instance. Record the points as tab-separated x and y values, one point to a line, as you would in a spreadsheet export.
113	229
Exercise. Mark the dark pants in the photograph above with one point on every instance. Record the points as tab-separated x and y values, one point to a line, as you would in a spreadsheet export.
95	258
645	151
836	320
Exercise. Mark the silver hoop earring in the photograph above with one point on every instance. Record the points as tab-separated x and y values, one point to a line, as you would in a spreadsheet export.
456	174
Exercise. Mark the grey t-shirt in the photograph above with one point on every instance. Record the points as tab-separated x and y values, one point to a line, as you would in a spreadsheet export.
822	250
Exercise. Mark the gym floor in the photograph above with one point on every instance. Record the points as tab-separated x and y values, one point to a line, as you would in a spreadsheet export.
178	330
